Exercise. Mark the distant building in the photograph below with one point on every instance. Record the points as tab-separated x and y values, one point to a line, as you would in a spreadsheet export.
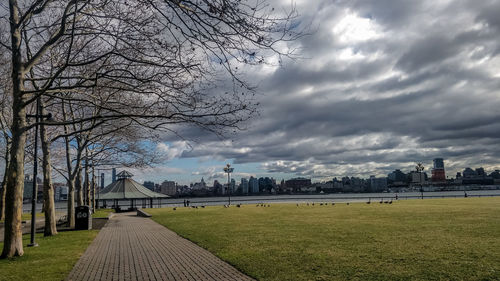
266	184
477	176
480	172
244	186
218	188
253	185
396	177
297	184
469	173
438	174
199	185
378	184
60	192
417	177
168	188
233	186
149	185
28	187
495	174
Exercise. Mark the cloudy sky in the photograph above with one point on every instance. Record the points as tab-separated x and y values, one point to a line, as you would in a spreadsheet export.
380	85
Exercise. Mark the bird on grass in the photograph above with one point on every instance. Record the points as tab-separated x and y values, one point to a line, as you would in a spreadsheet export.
307	204
313	204
390	202
297	204
202	206
175	209
321	204
333	204
239	205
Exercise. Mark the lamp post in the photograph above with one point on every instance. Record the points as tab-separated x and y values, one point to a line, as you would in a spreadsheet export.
34	196
228	170
419	169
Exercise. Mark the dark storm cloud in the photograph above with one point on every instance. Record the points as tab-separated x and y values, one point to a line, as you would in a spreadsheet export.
403	81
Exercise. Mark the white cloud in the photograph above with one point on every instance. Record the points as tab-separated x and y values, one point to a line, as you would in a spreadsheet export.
352	28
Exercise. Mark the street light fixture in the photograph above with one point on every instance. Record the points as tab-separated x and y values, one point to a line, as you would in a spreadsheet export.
228	170
38	117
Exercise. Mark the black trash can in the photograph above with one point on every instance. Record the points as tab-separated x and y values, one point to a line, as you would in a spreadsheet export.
83	218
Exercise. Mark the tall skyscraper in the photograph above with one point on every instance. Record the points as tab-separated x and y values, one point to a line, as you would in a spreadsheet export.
244	186
438	170
253	185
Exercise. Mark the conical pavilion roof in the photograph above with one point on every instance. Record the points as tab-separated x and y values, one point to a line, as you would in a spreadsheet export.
127	188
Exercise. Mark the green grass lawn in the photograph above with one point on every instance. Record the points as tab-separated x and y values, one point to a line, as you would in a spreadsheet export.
53	259
102	213
433	239
27	216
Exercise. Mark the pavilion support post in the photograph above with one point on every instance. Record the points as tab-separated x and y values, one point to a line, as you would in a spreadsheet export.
151	202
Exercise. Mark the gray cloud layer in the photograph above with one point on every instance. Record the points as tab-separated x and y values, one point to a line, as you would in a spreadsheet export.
382	84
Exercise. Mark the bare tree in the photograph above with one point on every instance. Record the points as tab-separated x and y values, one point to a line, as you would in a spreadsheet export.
159	61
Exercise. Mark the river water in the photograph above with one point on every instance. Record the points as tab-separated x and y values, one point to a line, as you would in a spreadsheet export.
327	198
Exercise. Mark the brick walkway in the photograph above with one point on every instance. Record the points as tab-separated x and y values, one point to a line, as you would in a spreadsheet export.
135	248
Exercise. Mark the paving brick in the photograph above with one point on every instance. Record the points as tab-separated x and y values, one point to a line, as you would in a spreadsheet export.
136	248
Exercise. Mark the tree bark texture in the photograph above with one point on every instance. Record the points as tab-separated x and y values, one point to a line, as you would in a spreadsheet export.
79	187
13	239
71	204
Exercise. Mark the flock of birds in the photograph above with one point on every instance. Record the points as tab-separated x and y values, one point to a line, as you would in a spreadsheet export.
382	201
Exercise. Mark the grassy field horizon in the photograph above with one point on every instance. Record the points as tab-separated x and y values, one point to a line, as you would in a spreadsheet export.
433	239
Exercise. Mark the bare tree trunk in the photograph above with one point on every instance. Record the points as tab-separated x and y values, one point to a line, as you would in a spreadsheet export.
2	199
71	203
13	238
79	186
3	189
48	189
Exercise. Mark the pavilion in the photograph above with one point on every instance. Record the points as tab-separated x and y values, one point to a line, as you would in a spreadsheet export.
125	188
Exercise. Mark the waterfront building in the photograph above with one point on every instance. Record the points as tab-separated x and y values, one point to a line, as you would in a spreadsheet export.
438	174
297	184
253	185
378	184
244	186
397	177
149	185
168	188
